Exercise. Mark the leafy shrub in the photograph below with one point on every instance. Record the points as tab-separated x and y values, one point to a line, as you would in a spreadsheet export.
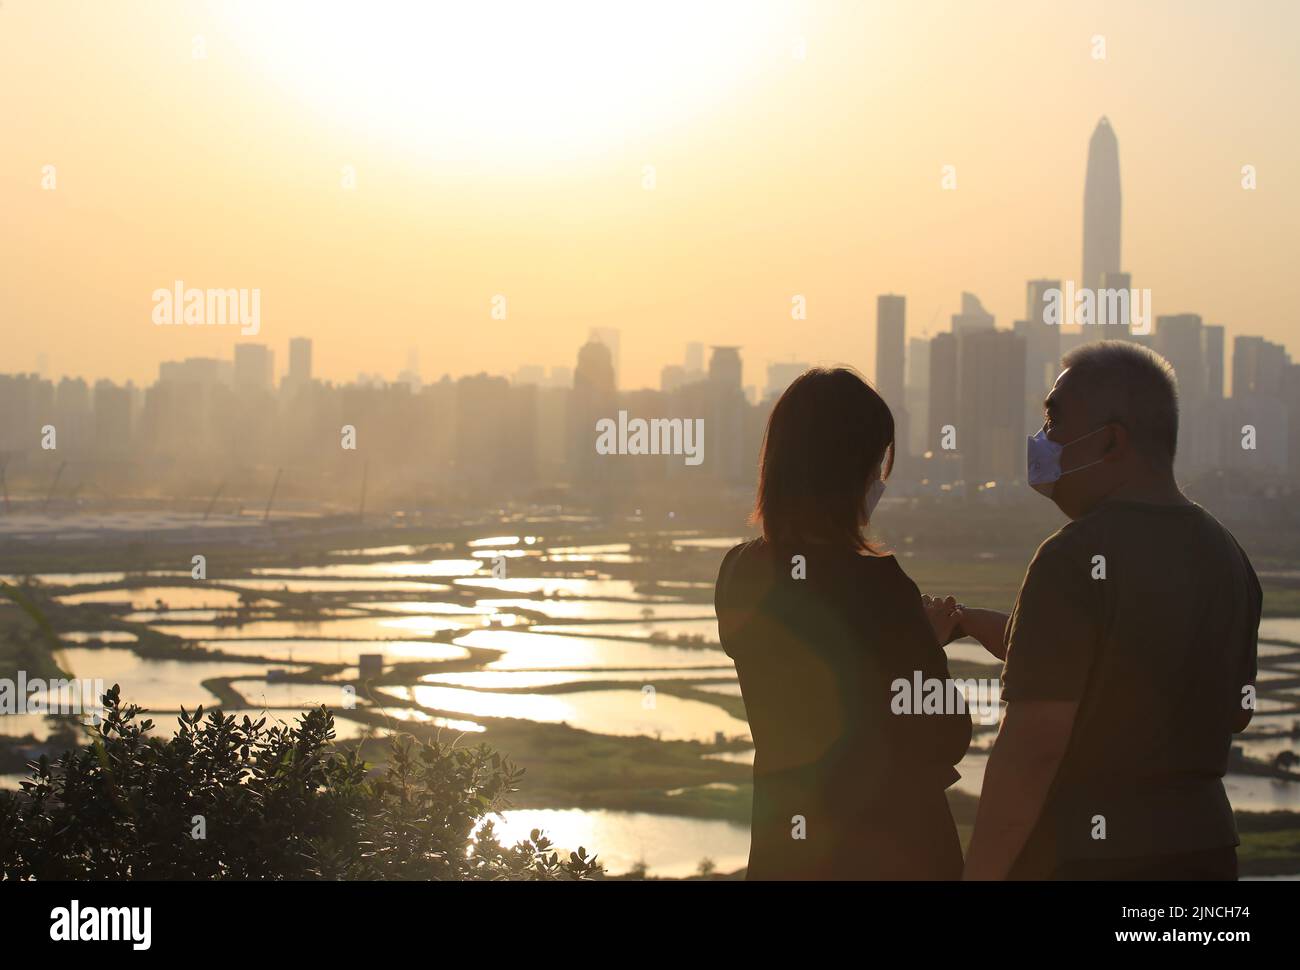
223	799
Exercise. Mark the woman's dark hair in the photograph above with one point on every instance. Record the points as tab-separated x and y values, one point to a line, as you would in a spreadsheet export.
824	439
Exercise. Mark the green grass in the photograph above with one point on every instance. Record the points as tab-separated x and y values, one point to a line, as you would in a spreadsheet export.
1270	853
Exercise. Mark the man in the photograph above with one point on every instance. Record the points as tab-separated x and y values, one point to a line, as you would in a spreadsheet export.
1130	654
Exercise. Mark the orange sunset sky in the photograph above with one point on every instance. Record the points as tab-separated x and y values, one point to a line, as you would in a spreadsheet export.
797	148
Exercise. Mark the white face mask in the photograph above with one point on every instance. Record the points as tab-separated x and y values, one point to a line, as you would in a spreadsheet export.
876	490
1045	461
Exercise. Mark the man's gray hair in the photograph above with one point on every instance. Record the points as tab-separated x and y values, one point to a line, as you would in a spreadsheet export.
1125	382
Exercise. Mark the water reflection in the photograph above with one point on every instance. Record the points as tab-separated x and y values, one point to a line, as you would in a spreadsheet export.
412	716
261	693
353	587
667	844
711	542
507	679
619	712
68	579
339	651
345	729
745	757
174	597
572	609
155	684
533	650
432	607
731	690
352	628
550	653
434	568
103	636
553	587
1280	628
1278	650
23	725
702	629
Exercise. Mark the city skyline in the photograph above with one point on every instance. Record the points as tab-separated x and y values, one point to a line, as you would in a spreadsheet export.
702	217
1101	259
756	375
972	403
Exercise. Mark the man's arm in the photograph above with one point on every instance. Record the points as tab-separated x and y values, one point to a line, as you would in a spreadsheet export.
1024	760
989	627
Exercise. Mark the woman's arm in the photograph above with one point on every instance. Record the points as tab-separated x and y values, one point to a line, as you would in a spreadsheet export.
945	734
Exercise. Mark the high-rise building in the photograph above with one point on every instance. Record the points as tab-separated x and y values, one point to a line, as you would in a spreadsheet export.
1113	300
26	403
781	375
299	361
410	374
593	398
977	403
891	347
495	438
1212	352
973	316
595	370
1291	401
200	371
1258	367
671	377
724	435
73	412
1042	348
1101	207
1037	297
1179	340
608	336
254	366
694	360
942	411
1116	280
1266	400
991	401
725	367
533	374
916	394
112	418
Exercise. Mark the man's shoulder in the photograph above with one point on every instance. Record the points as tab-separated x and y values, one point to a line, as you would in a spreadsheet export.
1066	542
1117	519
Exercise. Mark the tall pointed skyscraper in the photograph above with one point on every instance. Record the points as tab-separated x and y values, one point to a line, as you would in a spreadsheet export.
1101	207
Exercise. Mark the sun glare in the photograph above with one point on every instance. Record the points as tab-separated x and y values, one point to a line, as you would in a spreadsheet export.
515	80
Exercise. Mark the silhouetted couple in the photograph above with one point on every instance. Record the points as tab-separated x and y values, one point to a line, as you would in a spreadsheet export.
1129	654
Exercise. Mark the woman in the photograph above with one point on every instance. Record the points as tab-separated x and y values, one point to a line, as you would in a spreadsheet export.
821	625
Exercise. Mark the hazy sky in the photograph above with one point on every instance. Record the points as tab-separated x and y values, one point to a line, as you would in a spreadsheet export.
797	148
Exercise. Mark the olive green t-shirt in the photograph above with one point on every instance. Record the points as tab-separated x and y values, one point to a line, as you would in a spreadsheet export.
1147	616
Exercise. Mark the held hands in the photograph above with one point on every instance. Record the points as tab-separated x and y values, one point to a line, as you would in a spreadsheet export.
952	621
945	617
